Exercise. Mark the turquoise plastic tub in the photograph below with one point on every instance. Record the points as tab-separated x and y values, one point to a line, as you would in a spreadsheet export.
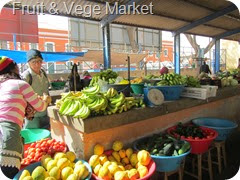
33	135
165	163
222	126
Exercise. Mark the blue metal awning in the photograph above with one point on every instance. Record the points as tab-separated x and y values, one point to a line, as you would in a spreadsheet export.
20	56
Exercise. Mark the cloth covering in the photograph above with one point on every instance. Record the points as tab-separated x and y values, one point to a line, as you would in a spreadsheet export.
11	145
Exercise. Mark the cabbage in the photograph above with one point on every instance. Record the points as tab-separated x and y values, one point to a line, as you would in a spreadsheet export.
233	82
224	82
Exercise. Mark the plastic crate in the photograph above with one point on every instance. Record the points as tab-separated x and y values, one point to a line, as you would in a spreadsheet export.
212	90
169	92
200	93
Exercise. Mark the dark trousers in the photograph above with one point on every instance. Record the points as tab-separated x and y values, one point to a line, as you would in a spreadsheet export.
9	172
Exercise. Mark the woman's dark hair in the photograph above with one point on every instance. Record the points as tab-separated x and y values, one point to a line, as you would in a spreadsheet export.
9	68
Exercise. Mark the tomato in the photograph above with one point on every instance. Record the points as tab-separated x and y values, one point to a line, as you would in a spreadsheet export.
190	137
31	150
33	145
43	144
196	138
38	145
183	137
62	143
27	161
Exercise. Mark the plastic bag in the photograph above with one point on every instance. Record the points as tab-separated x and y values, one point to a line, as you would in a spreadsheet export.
103	85
118	80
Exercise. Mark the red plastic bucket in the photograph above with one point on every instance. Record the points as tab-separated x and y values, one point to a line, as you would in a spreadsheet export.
198	146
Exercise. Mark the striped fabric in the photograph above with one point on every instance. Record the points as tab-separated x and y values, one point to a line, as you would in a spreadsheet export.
14	95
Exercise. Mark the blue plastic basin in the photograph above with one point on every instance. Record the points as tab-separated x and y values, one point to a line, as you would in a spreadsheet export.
165	163
222	126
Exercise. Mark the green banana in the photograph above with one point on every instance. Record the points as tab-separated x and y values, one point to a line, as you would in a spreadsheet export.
77	114
64	105
91	90
86	113
77	104
70	109
117	99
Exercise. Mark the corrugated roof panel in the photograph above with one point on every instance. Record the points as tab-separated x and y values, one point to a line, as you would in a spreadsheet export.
149	21
235	37
225	23
211	4
169	14
201	30
178	9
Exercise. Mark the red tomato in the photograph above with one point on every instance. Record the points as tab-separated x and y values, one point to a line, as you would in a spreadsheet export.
33	145
27	161
190	137
62	143
31	150
196	138
38	145
183	137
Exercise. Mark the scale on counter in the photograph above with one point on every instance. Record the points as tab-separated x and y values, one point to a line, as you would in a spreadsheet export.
155	96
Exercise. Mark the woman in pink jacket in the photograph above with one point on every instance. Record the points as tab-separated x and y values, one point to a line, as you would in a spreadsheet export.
15	94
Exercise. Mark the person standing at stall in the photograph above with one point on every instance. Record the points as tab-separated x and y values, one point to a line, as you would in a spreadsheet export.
38	79
15	94
205	68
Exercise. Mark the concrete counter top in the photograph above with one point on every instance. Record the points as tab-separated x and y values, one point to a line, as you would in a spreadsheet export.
100	123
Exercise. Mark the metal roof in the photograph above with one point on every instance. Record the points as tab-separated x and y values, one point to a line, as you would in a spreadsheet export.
169	15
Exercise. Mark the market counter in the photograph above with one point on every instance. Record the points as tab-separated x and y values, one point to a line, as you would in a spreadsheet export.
82	135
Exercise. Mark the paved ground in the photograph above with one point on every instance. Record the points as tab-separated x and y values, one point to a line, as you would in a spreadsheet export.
233	162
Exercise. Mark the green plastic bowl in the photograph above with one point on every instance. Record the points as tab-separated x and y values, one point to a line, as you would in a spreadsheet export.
137	88
33	135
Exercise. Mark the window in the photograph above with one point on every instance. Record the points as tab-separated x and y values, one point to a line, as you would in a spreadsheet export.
165	52
67	47
33	46
50	47
19	47
3	45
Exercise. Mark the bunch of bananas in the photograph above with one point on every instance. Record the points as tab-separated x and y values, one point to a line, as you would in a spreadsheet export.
116	104
94	80
171	79
91	102
91	91
108	75
74	106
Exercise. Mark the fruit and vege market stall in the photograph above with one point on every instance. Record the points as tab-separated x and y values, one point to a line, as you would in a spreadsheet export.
116	117
82	135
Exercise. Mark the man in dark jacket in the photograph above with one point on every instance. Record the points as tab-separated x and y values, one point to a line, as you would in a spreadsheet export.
205	68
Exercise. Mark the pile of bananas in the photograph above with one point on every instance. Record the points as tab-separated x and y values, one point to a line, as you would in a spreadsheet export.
137	80
191	81
91	102
71	104
171	79
117	103
108	75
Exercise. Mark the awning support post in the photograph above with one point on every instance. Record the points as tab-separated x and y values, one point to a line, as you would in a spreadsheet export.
15	41
106	47
217	56
177	54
